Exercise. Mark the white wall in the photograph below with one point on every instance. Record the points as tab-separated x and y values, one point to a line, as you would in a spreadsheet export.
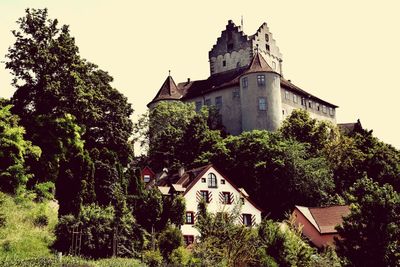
215	205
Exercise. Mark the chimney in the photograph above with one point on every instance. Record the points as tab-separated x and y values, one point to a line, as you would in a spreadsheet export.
188	80
181	171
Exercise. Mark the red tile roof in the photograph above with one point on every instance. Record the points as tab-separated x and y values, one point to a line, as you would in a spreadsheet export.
168	91
258	64
327	218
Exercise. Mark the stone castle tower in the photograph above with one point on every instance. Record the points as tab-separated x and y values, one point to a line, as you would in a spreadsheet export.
246	84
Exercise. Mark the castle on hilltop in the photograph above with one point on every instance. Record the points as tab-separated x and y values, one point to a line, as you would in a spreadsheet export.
246	84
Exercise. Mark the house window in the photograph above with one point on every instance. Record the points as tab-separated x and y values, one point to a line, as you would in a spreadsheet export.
189	217
207	102
310	104
245	82
222	181
212	180
204	195
242	200
331	111
262	104
261	80
287	94
266	37
267	47
198	105
218	102
323	108
146	178
226	198
224	63
294	98
203	180
247	219
188	239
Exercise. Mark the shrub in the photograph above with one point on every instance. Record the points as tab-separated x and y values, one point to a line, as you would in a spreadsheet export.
44	191
153	258
181	257
170	239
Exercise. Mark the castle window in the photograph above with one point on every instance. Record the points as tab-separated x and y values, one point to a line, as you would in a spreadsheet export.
323	108
247	219
303	101
294	98
274	65
283	112
266	37
235	93
198	106
287	94
262	103
331	111
212	180
261	80
189	217
309	104
267	47
230	47
318	108
218	102
207	102
224	63
245	82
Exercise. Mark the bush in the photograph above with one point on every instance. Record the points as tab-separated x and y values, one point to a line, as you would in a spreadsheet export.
44	191
41	220
170	239
153	258
181	257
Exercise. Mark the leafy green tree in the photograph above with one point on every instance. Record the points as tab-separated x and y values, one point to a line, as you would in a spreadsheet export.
301	127
52	80
370	233
14	151
169	239
279	173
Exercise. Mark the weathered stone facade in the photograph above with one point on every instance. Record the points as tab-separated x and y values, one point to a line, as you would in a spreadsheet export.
246	84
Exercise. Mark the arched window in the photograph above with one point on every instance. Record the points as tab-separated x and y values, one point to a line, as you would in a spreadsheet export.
212	180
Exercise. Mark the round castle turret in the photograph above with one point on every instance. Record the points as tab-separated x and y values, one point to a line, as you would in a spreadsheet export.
260	96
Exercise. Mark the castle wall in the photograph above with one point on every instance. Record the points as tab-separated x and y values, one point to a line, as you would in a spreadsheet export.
324	112
231	60
254	118
230	108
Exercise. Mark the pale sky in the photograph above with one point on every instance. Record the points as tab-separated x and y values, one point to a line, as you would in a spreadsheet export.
345	52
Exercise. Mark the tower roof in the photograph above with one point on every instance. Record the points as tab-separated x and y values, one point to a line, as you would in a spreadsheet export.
168	91
258	64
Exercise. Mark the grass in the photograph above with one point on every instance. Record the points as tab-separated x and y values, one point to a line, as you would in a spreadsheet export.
28	227
68	262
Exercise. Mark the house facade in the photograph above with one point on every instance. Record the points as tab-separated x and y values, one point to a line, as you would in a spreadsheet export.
319	223
218	191
246	84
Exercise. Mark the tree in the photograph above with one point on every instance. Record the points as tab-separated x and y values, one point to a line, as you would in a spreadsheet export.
278	173
53	80
14	151
370	233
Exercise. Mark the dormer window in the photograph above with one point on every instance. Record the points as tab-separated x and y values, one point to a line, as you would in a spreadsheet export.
212	180
146	178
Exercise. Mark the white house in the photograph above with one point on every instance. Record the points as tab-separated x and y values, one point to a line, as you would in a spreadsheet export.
218	191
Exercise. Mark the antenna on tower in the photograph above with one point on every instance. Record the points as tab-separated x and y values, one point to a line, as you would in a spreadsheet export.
169	72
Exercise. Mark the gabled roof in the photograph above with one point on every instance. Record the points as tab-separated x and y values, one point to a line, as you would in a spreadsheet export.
168	91
258	64
325	219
